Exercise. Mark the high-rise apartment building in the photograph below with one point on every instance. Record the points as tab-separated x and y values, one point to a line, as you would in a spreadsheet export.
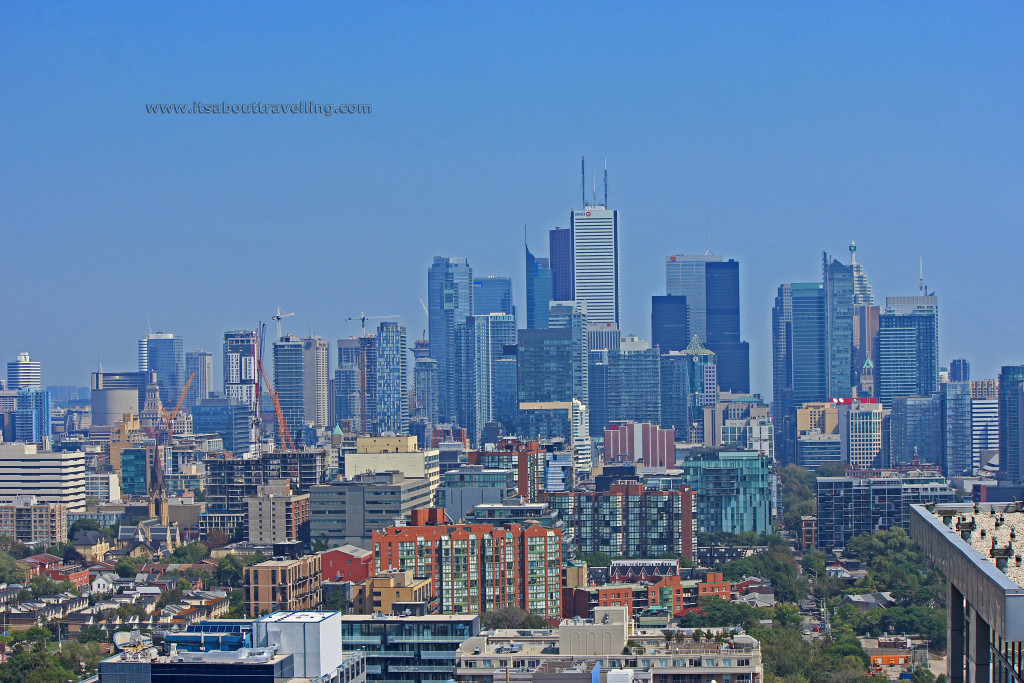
956	428
916	430
240	371
634	385
200	363
164	354
861	434
28	521
300	380
449	303
477	568
670	330
959	370
572	315
838	286
481	342
425	378
629	520
24	373
392	379
283	585
544	364
539	291
908	347
984	428
560	259
355	383
688	382
1011	382
595	262
32	416
734	490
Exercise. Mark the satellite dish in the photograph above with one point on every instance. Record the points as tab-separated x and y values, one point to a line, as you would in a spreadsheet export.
122	638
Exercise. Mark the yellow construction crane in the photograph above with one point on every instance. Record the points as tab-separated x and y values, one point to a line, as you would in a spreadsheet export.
170	418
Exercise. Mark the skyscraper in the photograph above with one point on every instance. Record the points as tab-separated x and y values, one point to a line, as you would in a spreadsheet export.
482	341
634	385
1011	382
686	275
201	363
573	315
560	261
862	295
425	386
838	284
392	382
492	294
23	373
956	428
538	291
450	302
240	371
908	347
916	430
984	428
544	366
722	322
669	328
595	262
32	415
164	353
959	370
300	380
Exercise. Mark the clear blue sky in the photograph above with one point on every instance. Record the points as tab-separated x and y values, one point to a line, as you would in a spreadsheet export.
788	128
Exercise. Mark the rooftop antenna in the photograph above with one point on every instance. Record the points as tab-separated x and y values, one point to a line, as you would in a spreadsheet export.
707	234
583	181
148	325
606	182
595	189
924	290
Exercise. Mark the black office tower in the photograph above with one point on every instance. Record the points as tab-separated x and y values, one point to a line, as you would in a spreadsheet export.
670	329
722	287
560	260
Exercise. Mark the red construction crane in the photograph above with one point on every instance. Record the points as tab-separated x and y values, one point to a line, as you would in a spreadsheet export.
283	436
170	418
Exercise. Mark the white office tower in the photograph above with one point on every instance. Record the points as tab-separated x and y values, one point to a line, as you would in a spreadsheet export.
52	477
240	372
24	373
200	363
595	254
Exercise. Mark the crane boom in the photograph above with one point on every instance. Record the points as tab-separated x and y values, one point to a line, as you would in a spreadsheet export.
362	318
170	418
283	437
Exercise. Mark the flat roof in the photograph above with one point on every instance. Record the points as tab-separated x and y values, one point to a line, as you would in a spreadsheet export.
297	617
423	617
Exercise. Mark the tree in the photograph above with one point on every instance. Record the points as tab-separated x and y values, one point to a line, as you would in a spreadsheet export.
10	570
831	469
92	634
333	601
598	559
190	554
512	617
229	571
82	525
216	539
126	567
786	615
923	675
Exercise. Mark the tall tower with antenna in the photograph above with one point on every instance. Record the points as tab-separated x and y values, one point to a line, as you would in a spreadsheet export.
594	238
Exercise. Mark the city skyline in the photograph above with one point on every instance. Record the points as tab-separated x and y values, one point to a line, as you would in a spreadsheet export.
887	138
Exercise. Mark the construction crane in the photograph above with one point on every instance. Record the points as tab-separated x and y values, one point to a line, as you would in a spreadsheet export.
283	437
169	418
279	317
362	318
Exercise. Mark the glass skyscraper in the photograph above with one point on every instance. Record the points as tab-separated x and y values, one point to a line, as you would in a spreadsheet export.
908	347
32	415
201	363
288	382
838	286
450	302
685	275
560	261
165	354
481	342
670	330
1011	385
634	386
492	294
392	379
916	430
544	365
959	370
722	317
227	417
573	315
538	291
956	428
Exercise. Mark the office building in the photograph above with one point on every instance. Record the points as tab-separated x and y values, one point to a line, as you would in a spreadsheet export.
506	390
200	364
1011	381
392	593
465	487
392	380
24	373
670	330
595	262
959	370
850	506
722	321
560	255
226	417
479	567
32	416
164	354
240	367
629	520
300	381
282	585
984	429
908	348
916	430
276	515
814	449
686	276
50	476
971	546
449	303
493	294
346	511
837	284
113	394
688	382
26	520
480	342
634	385
398	453
544	365
566	420
734	490
408	649
539	291
862	434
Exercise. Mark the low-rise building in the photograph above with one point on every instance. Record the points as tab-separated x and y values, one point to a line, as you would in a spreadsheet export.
29	521
277	515
347	563
347	512
393	592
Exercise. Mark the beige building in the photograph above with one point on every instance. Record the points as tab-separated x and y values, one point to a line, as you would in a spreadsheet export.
126	433
282	585
27	520
821	416
277	515
397	453
50	476
381	592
